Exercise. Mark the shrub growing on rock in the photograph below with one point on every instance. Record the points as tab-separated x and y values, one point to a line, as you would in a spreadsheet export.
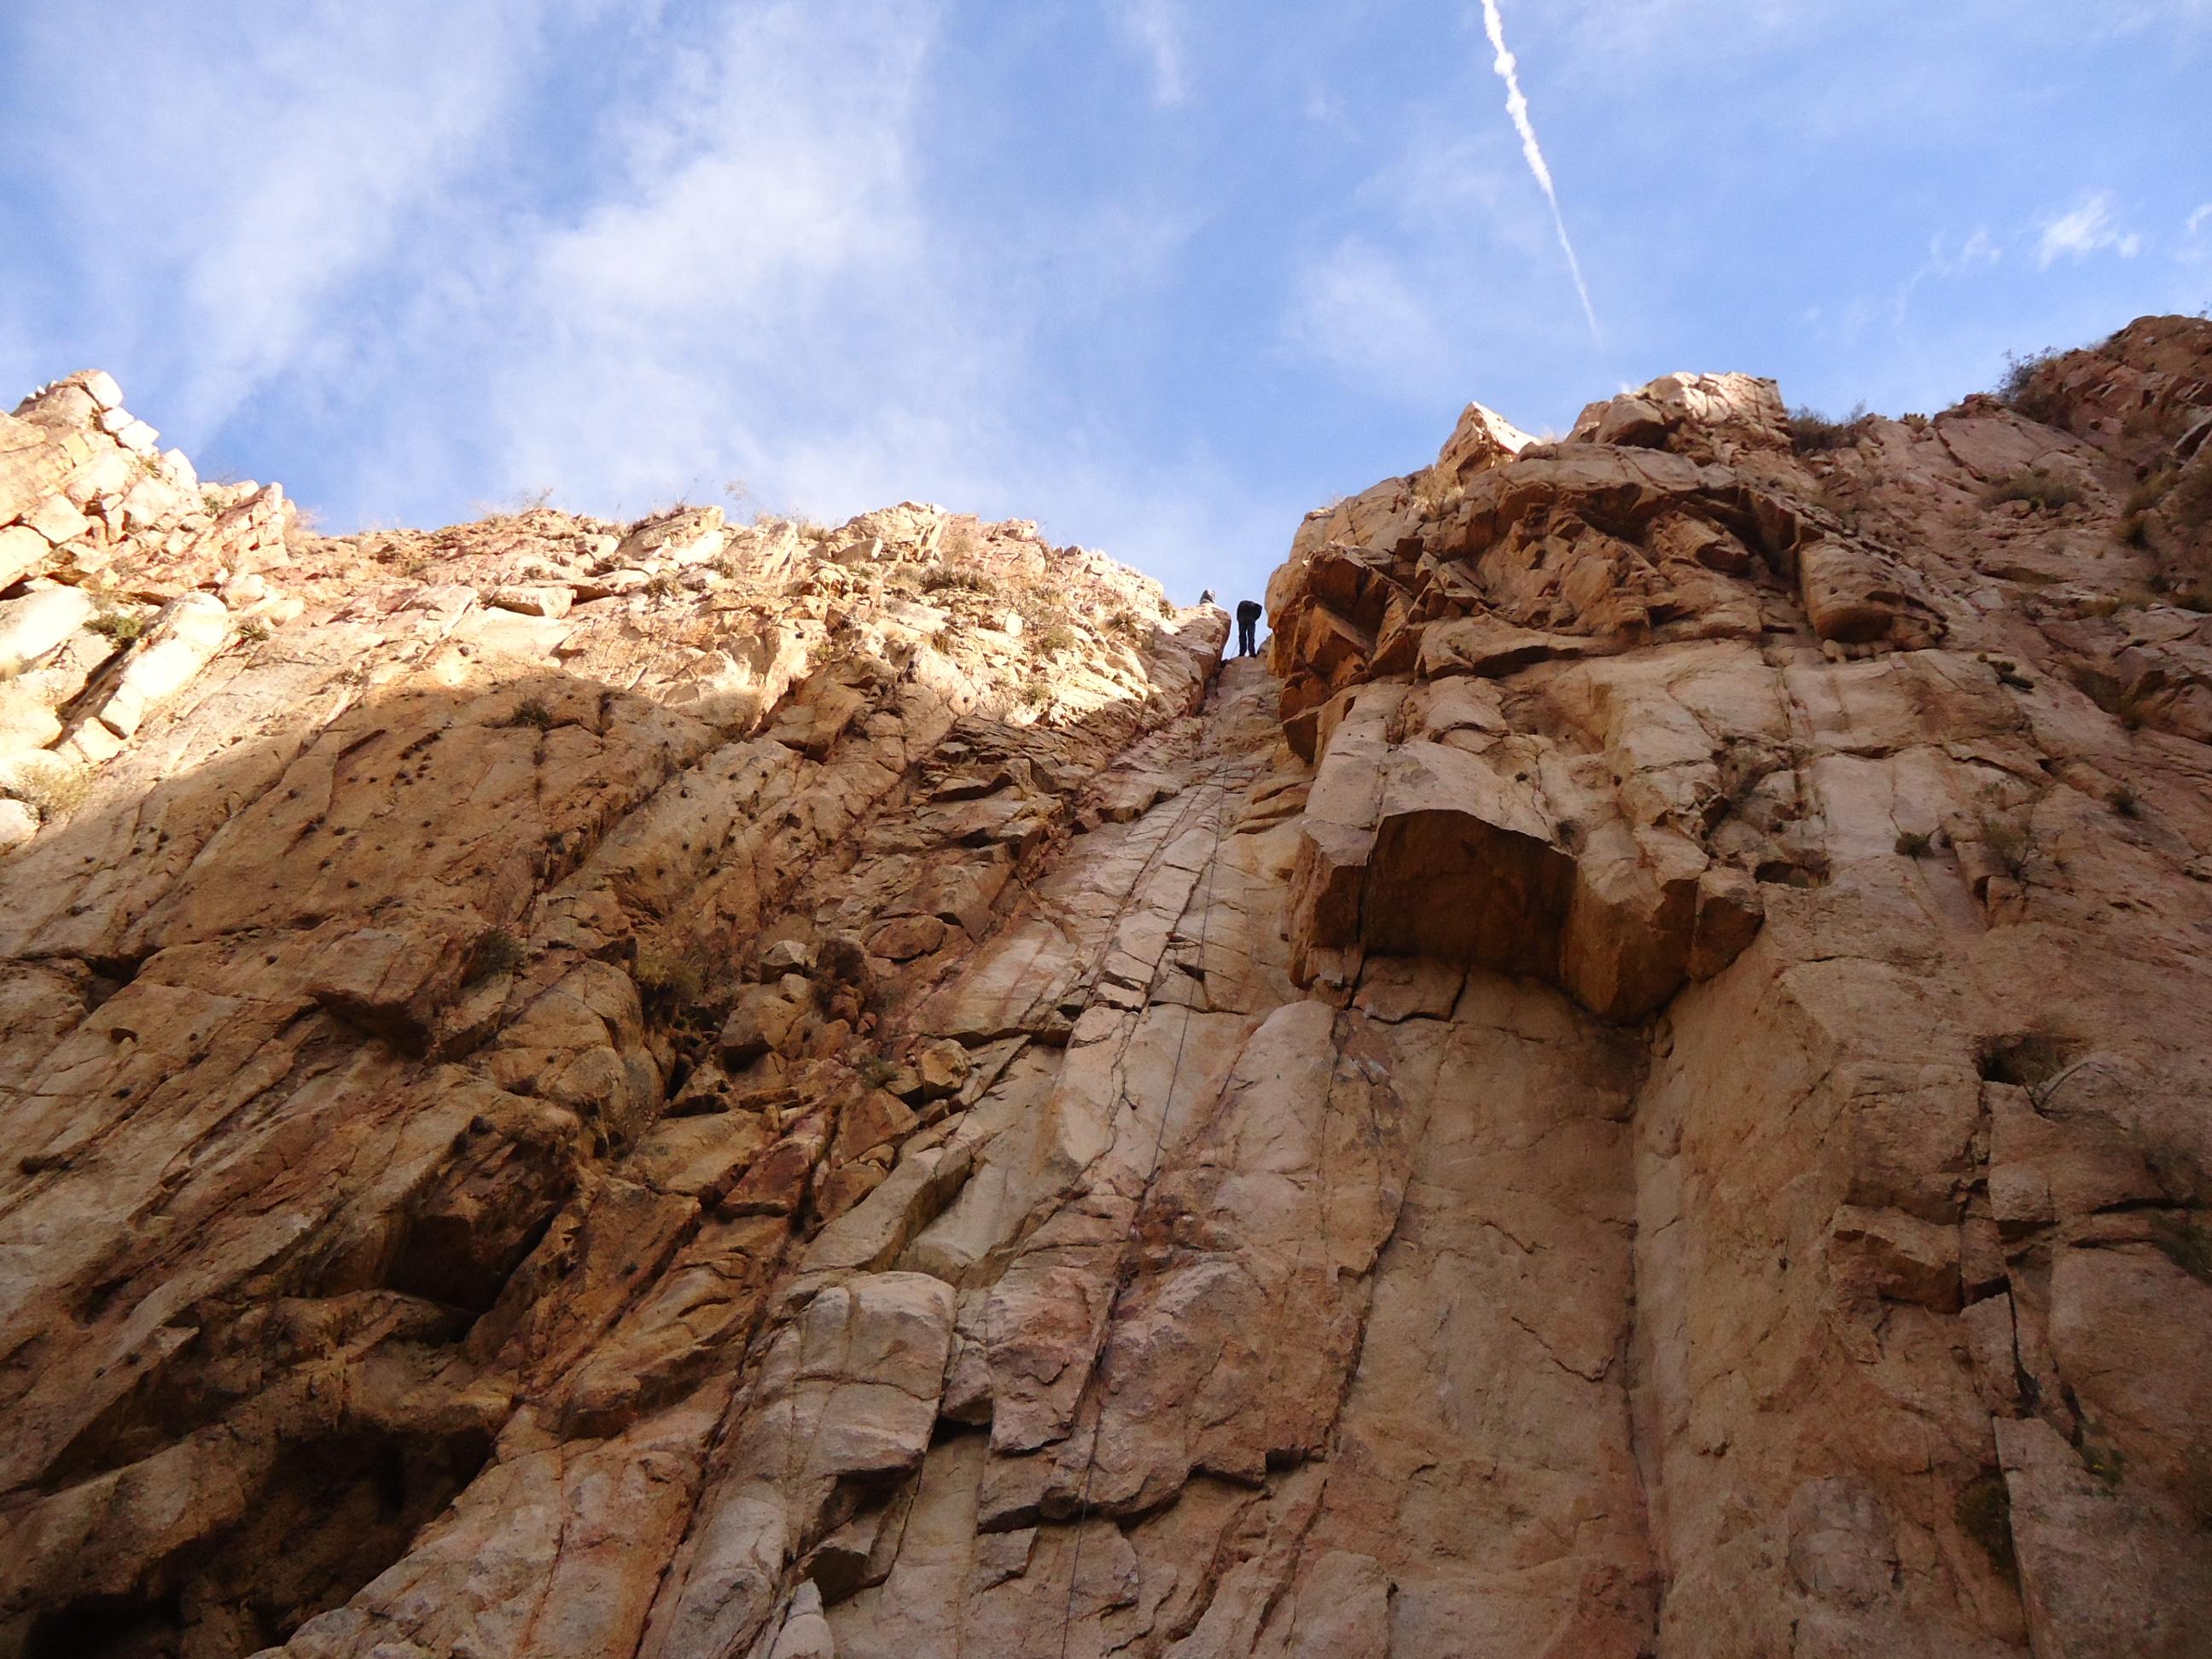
2022	386
956	578
1812	433
1984	1511
2027	1059
119	627
672	982
2008	843
2043	492
498	953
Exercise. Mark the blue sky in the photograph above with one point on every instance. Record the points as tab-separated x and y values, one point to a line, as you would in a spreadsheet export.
1161	274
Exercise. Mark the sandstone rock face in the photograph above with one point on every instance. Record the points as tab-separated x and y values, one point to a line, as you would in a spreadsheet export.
1857	778
694	1088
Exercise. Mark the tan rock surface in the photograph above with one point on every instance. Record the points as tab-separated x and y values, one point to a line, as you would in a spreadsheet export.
687	1089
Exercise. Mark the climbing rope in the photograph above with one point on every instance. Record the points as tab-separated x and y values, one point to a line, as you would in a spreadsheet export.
1123	1274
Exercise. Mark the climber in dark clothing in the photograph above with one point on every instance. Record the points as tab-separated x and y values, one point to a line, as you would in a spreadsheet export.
1249	612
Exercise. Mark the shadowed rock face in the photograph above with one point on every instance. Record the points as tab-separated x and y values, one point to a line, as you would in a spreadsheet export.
684	1089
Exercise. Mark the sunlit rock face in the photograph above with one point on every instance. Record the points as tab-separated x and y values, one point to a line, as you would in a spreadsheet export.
1855	778
686	1088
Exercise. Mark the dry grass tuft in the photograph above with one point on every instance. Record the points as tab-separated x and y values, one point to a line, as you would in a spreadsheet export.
2021	386
2008	842
1812	433
498	953
2027	1059
50	793
2042	491
119	628
1983	1512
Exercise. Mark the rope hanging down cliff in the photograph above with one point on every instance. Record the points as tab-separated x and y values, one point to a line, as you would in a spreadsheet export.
1125	1269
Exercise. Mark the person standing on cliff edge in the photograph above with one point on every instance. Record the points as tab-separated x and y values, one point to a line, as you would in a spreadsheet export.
1248	625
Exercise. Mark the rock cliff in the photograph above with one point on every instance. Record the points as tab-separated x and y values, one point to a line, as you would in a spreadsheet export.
682	1089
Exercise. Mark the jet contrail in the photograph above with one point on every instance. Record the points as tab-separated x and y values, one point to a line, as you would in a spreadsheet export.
1516	105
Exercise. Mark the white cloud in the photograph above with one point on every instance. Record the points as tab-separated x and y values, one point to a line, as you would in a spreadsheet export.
1156	28
1356	309
2194	246
630	251
239	177
1325	109
1437	189
733	263
2128	17
1441	271
758	285
1623	39
2087	229
1978	251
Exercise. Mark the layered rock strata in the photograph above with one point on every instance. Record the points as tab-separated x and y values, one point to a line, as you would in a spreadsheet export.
686	1089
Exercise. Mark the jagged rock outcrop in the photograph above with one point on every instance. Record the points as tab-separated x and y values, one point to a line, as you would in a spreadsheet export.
691	1089
1868	765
